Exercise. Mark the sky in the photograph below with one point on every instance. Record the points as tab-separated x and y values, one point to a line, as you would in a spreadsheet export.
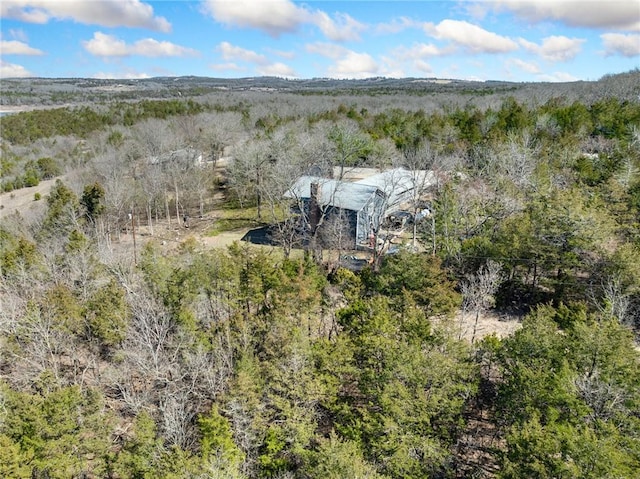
511	40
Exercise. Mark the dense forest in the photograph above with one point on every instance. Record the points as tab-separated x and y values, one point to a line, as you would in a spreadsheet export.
168	358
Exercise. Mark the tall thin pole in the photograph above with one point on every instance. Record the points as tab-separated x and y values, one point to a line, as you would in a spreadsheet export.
133	233
433	233
258	192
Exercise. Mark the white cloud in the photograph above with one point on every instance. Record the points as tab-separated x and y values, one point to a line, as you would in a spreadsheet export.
419	51
264	65
620	44
328	50
391	68
452	71
343	28
557	77
232	52
128	75
277	70
14	47
422	66
477	10
18	34
471	37
615	14
347	63
103	45
276	17
354	65
397	25
529	67
108	13
148	47
555	48
11	70
24	11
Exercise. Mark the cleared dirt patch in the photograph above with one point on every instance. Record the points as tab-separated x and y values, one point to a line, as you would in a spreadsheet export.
488	323
22	200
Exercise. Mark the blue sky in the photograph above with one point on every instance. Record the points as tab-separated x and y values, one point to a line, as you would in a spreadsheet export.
514	40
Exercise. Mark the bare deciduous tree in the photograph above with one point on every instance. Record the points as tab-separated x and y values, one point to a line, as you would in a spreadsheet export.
207	372
149	336
115	175
603	397
177	415
218	131
420	161
42	345
246	173
613	300
478	292
336	235
245	424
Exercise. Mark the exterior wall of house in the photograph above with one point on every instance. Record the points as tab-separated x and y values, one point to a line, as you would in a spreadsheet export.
369	219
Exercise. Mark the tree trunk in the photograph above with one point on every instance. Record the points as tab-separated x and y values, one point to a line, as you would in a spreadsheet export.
475	327
415	228
175	184
258	194
150	218
433	234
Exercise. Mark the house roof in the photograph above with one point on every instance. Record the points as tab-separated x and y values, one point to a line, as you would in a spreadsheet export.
188	155
339	194
398	184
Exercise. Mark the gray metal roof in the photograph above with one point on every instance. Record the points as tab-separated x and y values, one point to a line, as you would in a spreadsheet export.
398	184
339	194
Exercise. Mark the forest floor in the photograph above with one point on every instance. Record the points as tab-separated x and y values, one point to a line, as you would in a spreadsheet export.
490	322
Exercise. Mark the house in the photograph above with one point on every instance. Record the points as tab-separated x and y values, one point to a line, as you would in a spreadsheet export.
320	198
186	157
364	204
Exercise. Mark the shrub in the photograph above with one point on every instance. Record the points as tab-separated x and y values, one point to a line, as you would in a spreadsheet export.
31	178
48	168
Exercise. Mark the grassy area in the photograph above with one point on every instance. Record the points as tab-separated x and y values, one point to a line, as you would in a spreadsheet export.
234	219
